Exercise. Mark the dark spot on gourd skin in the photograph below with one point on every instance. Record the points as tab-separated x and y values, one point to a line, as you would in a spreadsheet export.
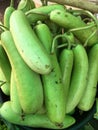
66	15
47	66
56	82
52	70
59	81
58	13
23	116
60	125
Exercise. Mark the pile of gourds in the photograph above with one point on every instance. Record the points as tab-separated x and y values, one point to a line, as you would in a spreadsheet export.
48	64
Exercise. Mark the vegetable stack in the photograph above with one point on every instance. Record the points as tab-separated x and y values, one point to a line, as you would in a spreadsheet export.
48	64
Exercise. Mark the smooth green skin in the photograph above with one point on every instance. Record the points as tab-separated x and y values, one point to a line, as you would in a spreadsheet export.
29	86
52	83
26	5
14	98
78	78
8	11
42	12
5	64
28	45
23	5
5	87
46	37
89	95
32	120
69	21
66	59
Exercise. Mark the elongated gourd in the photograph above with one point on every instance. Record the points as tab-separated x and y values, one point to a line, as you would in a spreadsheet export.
42	12
70	21
32	120
79	77
8	11
66	58
28	45
23	5
53	86
89	95
66	64
29	86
